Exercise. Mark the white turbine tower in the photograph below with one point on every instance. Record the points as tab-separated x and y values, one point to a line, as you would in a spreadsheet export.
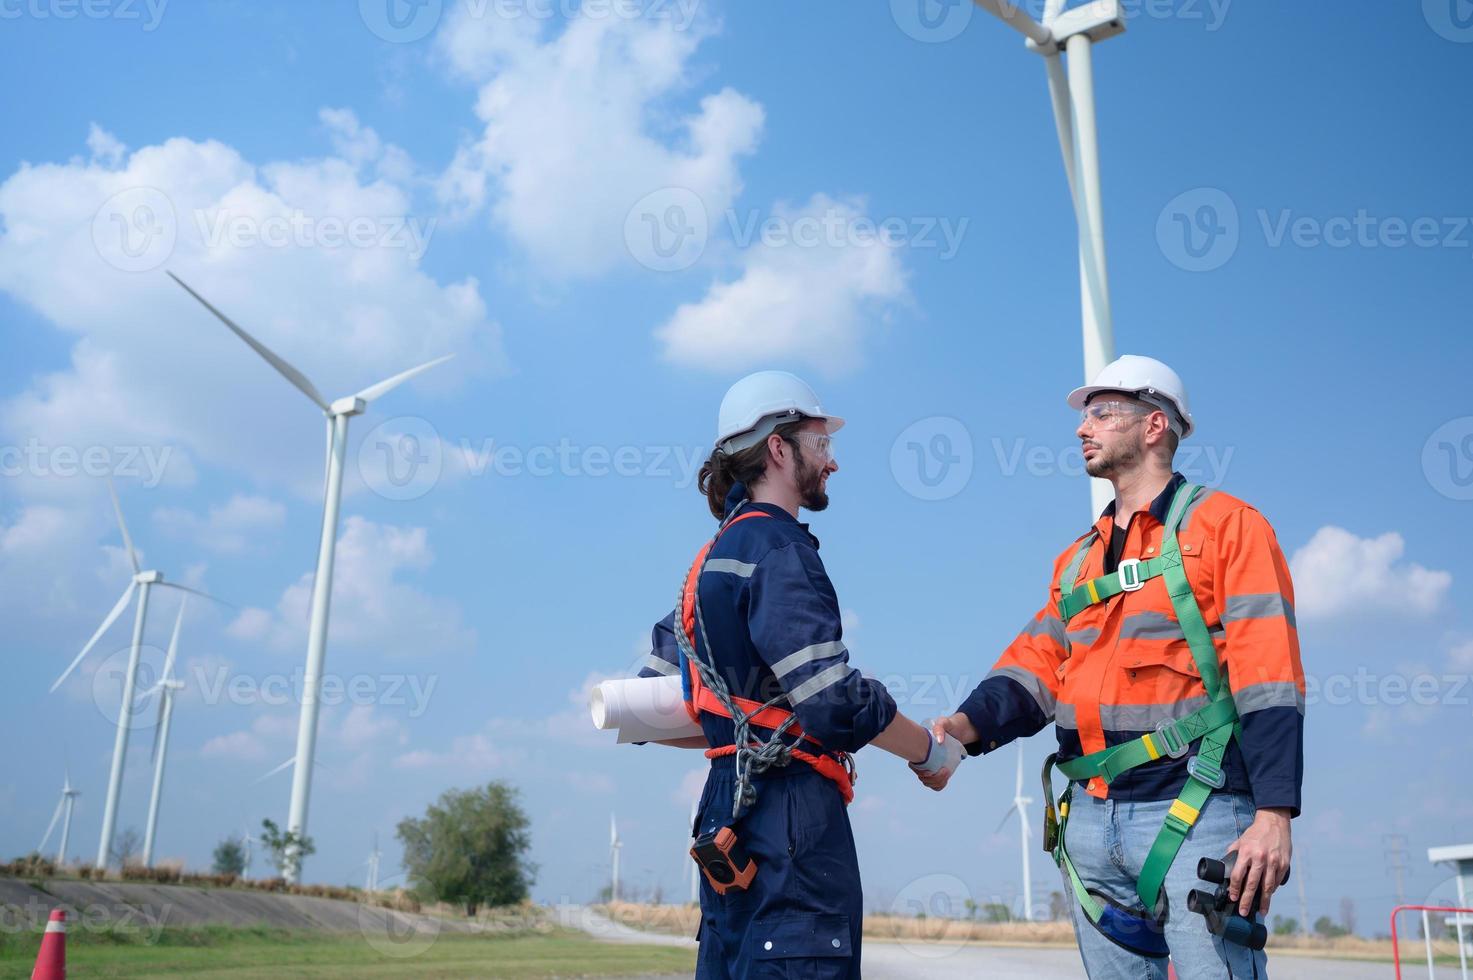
1020	806
370	883
338	413
246	840
165	689
1074	32
614	845
63	813
143	582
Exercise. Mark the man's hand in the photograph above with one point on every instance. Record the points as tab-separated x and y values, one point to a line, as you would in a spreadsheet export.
1263	852
957	727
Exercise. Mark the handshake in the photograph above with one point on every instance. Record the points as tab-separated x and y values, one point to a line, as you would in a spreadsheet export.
947	737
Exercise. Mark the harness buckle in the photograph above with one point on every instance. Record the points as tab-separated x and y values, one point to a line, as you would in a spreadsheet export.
1197	769
1129	574
1168	742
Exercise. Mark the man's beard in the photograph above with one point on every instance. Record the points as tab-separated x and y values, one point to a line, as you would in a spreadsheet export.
810	486
1107	463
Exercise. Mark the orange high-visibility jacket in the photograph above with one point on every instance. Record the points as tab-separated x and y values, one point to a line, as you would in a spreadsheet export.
1122	666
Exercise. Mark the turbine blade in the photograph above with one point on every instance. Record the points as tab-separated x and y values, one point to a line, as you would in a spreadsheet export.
1017	792
1003	822
297	378
55	816
168	673
384	387
202	595
278	769
123	526
111	618
327	457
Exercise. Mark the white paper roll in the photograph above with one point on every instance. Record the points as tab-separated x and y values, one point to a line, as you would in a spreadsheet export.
642	709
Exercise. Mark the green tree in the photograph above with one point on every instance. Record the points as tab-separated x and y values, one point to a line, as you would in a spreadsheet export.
1285	926
229	857
1325	926
470	848
971	906
287	849
996	912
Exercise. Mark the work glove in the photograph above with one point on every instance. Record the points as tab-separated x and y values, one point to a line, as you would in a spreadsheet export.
946	755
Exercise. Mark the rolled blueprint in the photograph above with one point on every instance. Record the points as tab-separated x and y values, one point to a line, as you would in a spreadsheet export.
642	709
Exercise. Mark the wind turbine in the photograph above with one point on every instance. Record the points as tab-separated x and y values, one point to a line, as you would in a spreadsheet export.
1075	32
141	581
63	812
614	845
165	689
338	413
246	840
371	882
1020	805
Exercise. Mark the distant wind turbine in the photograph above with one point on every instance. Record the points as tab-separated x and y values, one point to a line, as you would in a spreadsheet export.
1020	806
338	413
614	846
63	812
141	581
165	689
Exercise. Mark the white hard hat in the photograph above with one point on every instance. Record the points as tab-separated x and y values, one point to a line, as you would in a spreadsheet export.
760	402
1145	378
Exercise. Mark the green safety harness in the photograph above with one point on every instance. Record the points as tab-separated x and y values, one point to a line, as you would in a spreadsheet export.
1214	725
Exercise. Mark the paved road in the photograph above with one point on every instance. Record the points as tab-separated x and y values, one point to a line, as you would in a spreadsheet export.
903	961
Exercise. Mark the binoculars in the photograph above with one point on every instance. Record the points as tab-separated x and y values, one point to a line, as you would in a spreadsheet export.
1220	911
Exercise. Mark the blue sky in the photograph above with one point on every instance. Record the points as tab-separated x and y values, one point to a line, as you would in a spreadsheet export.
1287	220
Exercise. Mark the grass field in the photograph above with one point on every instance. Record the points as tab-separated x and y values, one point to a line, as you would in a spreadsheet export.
273	954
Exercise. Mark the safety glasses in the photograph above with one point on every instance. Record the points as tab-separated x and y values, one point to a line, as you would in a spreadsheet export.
1113	415
818	446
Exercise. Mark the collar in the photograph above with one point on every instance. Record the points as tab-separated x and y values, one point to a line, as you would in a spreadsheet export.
1158	508
738	495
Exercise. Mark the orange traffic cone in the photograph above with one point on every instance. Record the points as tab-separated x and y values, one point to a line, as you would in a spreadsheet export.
51	960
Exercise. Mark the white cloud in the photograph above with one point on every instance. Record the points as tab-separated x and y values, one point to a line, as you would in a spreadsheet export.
371	607
232	527
238	746
1461	656
362	726
476	753
1338	573
800	297
578	128
85	243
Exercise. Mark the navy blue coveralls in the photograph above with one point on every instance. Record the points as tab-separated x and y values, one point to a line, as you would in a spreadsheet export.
773	620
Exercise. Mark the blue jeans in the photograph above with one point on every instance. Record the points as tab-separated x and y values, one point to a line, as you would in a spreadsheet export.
1108	842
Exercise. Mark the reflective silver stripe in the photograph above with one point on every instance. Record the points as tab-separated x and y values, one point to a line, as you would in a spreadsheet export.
1149	625
654	662
1031	683
1257	605
1272	694
808	654
1145	717
819	681
1050	626
744	569
1084	637
1064	715
1186	515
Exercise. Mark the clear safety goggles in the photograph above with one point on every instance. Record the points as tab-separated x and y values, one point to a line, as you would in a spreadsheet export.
817	446
1113	414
